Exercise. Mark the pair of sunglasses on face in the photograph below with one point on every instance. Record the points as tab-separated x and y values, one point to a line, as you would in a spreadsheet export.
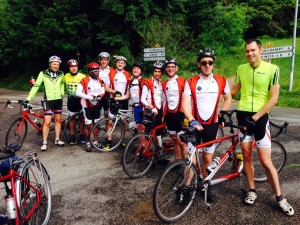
204	63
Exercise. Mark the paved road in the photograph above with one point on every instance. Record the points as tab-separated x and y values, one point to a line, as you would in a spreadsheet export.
91	188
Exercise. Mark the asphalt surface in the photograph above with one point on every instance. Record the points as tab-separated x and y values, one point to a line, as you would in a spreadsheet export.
91	188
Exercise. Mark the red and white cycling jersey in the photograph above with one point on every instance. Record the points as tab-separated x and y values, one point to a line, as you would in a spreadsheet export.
153	93
120	81
206	94
173	89
88	88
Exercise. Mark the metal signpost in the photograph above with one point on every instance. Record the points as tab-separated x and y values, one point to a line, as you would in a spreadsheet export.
154	54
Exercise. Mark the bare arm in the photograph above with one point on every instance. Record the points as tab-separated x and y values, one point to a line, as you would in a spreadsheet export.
235	89
227	101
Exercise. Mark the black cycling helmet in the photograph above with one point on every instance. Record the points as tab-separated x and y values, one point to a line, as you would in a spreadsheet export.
171	60
206	52
139	65
159	65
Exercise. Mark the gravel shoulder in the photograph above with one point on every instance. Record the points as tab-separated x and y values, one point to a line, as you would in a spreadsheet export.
91	188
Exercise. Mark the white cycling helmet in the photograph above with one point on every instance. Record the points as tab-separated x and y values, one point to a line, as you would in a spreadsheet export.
120	58
159	65
103	55
54	58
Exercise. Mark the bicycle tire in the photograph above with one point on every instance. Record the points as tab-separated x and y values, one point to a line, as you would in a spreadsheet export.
67	135
135	163
16	134
99	141
278	155
220	133
169	188
36	174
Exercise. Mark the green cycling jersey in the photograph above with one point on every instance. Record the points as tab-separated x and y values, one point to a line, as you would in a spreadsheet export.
255	85
53	85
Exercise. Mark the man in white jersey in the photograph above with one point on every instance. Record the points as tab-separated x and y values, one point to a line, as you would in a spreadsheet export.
200	104
134	92
90	90
119	83
174	116
104	73
152	96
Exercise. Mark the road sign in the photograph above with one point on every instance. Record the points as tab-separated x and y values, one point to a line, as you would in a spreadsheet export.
154	54
277	55
154	59
155	49
278	49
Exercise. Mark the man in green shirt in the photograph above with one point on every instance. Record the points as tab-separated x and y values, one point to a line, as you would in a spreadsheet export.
258	83
53	80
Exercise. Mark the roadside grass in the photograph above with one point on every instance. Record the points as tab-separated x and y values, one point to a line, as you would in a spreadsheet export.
226	65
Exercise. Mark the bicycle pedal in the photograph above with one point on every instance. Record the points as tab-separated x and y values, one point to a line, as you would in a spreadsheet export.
39	133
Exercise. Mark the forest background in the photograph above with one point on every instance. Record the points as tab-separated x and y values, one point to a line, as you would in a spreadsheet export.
33	30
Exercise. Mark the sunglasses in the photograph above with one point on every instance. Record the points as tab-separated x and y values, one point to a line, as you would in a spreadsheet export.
204	63
94	71
170	67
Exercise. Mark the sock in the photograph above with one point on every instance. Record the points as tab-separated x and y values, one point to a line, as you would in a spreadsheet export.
159	141
253	190
279	198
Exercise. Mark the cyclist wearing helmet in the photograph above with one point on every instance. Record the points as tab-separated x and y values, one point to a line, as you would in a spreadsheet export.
119	79
72	79
258	83
104	73
90	90
134	92
203	93
152	96
53	82
173	88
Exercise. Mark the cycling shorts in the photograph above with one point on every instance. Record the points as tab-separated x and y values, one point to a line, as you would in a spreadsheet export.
73	105
260	131
104	102
91	115
124	105
138	114
209	133
52	106
174	121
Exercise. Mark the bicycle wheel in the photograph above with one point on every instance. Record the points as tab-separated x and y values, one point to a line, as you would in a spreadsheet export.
278	156
136	160
77	117
220	133
170	199
34	193
99	134
16	133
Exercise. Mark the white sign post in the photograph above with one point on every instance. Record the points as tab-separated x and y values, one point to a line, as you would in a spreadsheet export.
154	54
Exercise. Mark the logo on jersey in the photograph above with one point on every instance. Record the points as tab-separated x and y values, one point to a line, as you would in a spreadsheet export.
199	88
155	87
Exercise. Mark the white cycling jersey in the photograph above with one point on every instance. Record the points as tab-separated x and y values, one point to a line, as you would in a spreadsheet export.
172	93
120	82
104	75
206	95
158	94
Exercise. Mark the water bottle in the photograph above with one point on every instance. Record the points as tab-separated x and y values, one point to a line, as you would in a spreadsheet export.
132	125
37	123
10	207
190	147
32	81
213	165
239	157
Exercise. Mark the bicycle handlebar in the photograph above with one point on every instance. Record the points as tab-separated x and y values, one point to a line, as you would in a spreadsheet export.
280	127
9	151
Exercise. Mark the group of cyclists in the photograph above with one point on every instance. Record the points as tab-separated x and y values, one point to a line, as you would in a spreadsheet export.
196	99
